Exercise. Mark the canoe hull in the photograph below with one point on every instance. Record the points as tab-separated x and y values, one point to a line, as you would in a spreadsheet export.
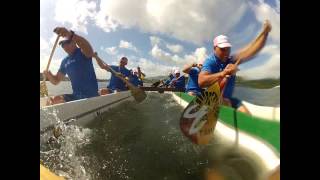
260	151
81	112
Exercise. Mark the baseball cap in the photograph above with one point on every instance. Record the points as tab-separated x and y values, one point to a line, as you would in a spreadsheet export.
221	41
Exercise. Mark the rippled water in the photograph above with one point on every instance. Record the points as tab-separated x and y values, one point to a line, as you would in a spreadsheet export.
140	141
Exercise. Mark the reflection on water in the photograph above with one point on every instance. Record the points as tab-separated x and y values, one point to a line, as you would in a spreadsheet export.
141	141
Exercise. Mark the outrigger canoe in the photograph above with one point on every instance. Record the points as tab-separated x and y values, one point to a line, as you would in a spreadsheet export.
259	133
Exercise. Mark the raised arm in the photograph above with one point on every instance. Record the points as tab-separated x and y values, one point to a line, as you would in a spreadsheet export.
255	46
83	44
100	62
188	67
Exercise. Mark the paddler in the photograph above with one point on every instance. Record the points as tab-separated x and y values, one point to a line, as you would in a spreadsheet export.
193	70
134	79
77	65
178	81
220	64
166	83
115	84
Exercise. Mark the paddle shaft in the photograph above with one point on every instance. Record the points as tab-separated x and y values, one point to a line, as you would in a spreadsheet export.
224	81
50	58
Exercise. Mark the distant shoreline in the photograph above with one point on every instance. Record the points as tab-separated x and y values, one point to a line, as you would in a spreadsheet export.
258	84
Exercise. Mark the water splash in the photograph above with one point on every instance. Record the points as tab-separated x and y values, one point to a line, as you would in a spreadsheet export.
138	141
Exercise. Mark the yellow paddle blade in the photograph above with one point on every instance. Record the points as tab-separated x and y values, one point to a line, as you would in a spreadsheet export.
142	77
46	174
43	89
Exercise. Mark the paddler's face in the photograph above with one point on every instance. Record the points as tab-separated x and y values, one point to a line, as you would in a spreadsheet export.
222	53
199	66
177	75
123	62
69	47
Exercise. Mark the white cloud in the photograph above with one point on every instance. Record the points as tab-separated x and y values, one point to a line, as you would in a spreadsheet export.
155	40
264	11
186	20
160	54
76	12
127	45
54	65
175	48
43	44
111	50
269	69
153	69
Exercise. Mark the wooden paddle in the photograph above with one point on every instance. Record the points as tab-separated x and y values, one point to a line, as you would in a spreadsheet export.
43	86
222	85
199	118
138	94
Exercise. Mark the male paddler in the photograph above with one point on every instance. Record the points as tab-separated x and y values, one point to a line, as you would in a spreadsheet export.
178	81
115	84
193	70
77	65
220	64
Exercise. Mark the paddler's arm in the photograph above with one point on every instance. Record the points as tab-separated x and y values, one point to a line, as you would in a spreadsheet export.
83	44
100	62
206	79
188	67
255	46
54	79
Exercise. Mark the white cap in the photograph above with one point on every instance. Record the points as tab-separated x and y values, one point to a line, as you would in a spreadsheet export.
221	41
134	70
176	71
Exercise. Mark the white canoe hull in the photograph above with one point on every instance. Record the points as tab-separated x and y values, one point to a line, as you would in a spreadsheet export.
267	157
80	112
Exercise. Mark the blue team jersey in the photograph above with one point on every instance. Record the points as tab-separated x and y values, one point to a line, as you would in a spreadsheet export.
81	73
134	79
180	83
116	83
214	65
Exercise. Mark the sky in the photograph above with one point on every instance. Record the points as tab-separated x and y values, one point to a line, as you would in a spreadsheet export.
159	35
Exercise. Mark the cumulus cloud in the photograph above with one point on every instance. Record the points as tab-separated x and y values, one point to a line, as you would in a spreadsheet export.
175	48
184	20
111	50
151	68
269	69
264	11
43	44
127	45
176	60
155	40
78	13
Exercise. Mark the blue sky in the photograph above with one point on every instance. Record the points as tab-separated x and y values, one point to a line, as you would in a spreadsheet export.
158	35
